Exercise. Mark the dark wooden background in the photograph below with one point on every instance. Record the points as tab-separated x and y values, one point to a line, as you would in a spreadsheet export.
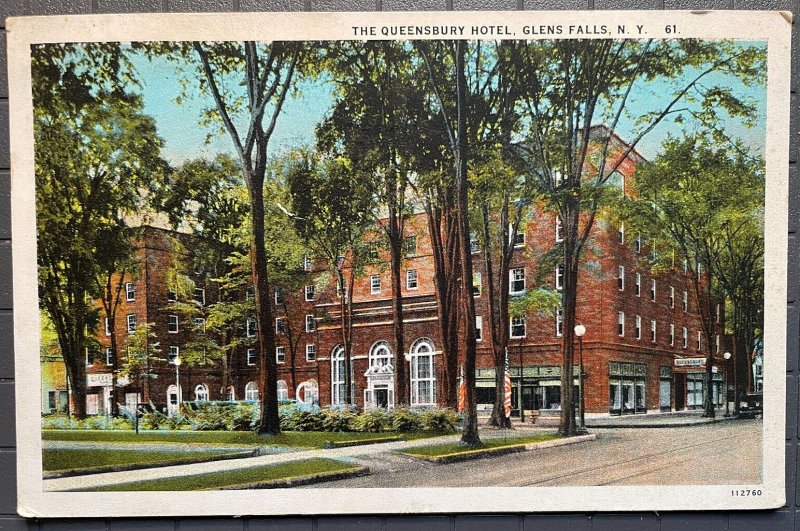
782	519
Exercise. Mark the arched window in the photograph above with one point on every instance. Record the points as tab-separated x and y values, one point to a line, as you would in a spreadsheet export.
423	374
337	376
201	393
308	392
230	394
251	391
283	391
380	354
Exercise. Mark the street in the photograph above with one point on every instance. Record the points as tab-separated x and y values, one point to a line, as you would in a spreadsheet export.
719	453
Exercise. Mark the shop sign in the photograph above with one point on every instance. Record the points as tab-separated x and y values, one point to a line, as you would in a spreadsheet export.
665	371
619	368
102	379
690	362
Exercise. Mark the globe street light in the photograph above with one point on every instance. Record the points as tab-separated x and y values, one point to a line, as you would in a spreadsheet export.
579	331
727	357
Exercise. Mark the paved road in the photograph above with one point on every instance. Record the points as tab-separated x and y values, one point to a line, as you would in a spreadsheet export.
720	453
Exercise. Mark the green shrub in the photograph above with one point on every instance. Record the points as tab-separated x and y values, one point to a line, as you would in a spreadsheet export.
153	420
208	417
337	420
374	421
98	422
438	420
243	417
405	421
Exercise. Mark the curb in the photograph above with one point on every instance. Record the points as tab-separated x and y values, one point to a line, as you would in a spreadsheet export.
659	425
561	442
143	466
329	445
300	480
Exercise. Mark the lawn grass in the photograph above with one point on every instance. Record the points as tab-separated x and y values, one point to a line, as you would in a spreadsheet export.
439	450
246	477
303	439
56	460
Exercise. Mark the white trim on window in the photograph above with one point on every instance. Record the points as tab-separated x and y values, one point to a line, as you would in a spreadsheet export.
516	281
478	328
374	284
308	292
560	277
637	330
251	356
621	324
130	291
517	327
311	323
653	331
412	281
174	353
311	352
130	323
280	354
559	322
173	324
200	296
621	278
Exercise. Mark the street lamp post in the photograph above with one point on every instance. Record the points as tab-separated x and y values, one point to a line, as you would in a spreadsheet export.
177	385
727	357
579	331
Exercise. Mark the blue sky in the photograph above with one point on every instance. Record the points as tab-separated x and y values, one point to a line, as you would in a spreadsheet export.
185	139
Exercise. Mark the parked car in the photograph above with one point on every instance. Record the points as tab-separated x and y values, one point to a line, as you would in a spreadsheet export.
752	406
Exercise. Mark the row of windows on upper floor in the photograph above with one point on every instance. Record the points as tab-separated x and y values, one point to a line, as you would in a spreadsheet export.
199	295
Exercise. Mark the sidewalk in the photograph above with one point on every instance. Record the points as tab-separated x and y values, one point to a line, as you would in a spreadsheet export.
654	419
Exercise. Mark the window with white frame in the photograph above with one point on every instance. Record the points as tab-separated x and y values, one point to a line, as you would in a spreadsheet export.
559	322
638	284
559	229
130	291
337	376
411	279
517	280
380	354
283	391
107	323
172	294
311	323
717	316
201	393
671	296
621	233
699	340
423	376
474	244
307	263
560	276
130	322
200	296
637	331
199	325
251	356
309	292
519	236
716	343
172	324
410	245
653	330
672	334
279	300
621	278
251	392
280	325
478	328
174	354
311	352
621	324
280	354
637	243
110	356
653	250
517	327
685	301
230	393
685	337
249	293
653	289
374	284
252	327
476	284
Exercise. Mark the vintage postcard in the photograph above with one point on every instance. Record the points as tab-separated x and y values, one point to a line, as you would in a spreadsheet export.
308	263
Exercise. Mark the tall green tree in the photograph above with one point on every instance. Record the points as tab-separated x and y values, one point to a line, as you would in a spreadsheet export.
573	85
96	153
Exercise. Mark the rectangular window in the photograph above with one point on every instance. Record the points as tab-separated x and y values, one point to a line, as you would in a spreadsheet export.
174	354
560	322
621	278
699	340
109	356
280	354
280	325
517	327
199	325
373	253
560	276
309	292
251	356
671	296
637	243
653	330
517	280
311	352
251	327
410	245
200	296
311	323
411	279
638	284
685	301
478	328
172	324
718	313
130	291
374	284
621	233
685	265
716	342
654	251
685	337
172	295
621	324
279	300
108	326
519	237
652	289
637	331
559	229
474	245
476	284
307	263
130	322
672	334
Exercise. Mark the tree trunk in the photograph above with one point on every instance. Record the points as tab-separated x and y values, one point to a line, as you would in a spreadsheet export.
567	426
401	382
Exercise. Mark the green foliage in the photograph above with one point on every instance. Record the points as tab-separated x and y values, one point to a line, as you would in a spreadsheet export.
439	420
406	421
337	420
213	416
99	422
374	421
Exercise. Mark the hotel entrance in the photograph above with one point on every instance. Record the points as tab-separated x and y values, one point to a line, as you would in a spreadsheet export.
627	386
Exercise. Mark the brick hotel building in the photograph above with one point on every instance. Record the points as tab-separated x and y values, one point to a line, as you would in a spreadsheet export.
642	349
